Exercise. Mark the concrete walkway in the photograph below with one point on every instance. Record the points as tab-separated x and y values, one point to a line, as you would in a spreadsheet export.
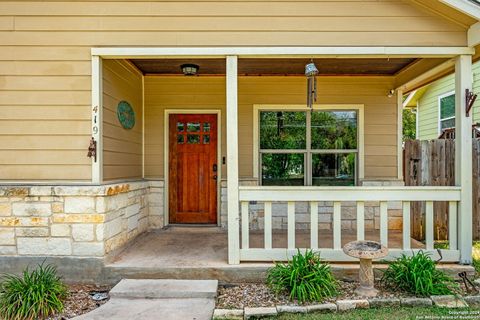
158	299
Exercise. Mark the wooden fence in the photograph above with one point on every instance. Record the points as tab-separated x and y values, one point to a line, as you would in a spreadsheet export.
432	163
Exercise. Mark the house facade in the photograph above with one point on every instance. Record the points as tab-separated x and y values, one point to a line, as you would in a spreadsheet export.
434	105
195	113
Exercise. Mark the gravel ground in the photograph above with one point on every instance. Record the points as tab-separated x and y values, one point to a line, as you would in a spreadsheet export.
79	300
259	295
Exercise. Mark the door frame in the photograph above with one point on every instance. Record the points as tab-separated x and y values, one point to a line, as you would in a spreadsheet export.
166	161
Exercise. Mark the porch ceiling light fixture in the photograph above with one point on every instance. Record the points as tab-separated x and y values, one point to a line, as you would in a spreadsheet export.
311	72
189	69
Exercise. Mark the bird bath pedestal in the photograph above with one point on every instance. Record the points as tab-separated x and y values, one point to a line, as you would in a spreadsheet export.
366	251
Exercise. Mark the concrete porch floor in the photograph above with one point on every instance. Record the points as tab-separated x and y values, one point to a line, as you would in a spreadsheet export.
201	253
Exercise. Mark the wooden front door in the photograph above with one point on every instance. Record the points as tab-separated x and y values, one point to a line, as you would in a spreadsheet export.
193	168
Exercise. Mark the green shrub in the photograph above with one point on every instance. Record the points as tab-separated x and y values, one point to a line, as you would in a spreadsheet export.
418	275
35	294
304	278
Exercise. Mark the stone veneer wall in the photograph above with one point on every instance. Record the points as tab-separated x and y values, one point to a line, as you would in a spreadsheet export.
325	212
79	221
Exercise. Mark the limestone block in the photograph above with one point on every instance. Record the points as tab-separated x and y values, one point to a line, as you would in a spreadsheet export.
345	305
44	246
78	190
112	228
324	226
5	209
132	223
346	225
133	209
32	232
416	302
7	236
15	192
79	205
8	250
324	307
291	309
23	222
88	249
38	209
156	183
99	231
448	301
324	218
256	313
41	191
349	213
115	242
230	314
57	207
60	230
78	218
155	222
83	232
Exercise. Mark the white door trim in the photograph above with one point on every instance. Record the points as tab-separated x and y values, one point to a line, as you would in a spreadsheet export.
166	161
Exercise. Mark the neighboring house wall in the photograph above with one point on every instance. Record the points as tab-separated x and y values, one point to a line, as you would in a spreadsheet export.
122	148
428	105
209	93
45	61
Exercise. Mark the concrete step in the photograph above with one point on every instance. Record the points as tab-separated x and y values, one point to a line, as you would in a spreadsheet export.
164	289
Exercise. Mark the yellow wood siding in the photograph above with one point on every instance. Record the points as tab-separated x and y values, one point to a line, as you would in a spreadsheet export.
122	148
45	63
209	93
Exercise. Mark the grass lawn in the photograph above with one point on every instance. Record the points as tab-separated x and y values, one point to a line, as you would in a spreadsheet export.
390	314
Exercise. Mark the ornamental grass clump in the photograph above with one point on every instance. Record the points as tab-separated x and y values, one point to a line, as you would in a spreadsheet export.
304	278
418	275
36	294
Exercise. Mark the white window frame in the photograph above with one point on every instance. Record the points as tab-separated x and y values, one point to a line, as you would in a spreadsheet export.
439	124
360	174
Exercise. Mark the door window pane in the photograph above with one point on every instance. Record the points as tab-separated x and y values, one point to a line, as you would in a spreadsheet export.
193	127
336	169
282	130
206	139
334	130
206	127
193	138
282	169
180	138
180	126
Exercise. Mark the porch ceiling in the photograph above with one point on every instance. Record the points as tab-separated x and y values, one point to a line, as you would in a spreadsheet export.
280	66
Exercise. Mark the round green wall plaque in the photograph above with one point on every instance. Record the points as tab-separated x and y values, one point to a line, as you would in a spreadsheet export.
126	115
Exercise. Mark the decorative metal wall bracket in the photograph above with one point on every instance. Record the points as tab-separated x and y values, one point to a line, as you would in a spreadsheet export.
470	98
92	150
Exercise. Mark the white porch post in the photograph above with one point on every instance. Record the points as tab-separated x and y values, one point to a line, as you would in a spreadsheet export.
97	115
463	156
232	162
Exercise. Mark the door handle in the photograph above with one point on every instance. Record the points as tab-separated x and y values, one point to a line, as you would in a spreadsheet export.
215	177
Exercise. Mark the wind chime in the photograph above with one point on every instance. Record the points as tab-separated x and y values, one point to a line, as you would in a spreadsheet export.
311	72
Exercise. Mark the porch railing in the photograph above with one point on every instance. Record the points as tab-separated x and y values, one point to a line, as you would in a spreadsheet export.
337	195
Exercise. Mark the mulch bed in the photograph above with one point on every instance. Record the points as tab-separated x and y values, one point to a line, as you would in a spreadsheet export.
255	295
80	300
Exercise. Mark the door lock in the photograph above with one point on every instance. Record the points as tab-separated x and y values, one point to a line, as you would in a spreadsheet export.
215	167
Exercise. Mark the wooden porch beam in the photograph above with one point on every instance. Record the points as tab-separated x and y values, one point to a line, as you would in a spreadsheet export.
422	72
463	156
282	52
473	35
232	161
